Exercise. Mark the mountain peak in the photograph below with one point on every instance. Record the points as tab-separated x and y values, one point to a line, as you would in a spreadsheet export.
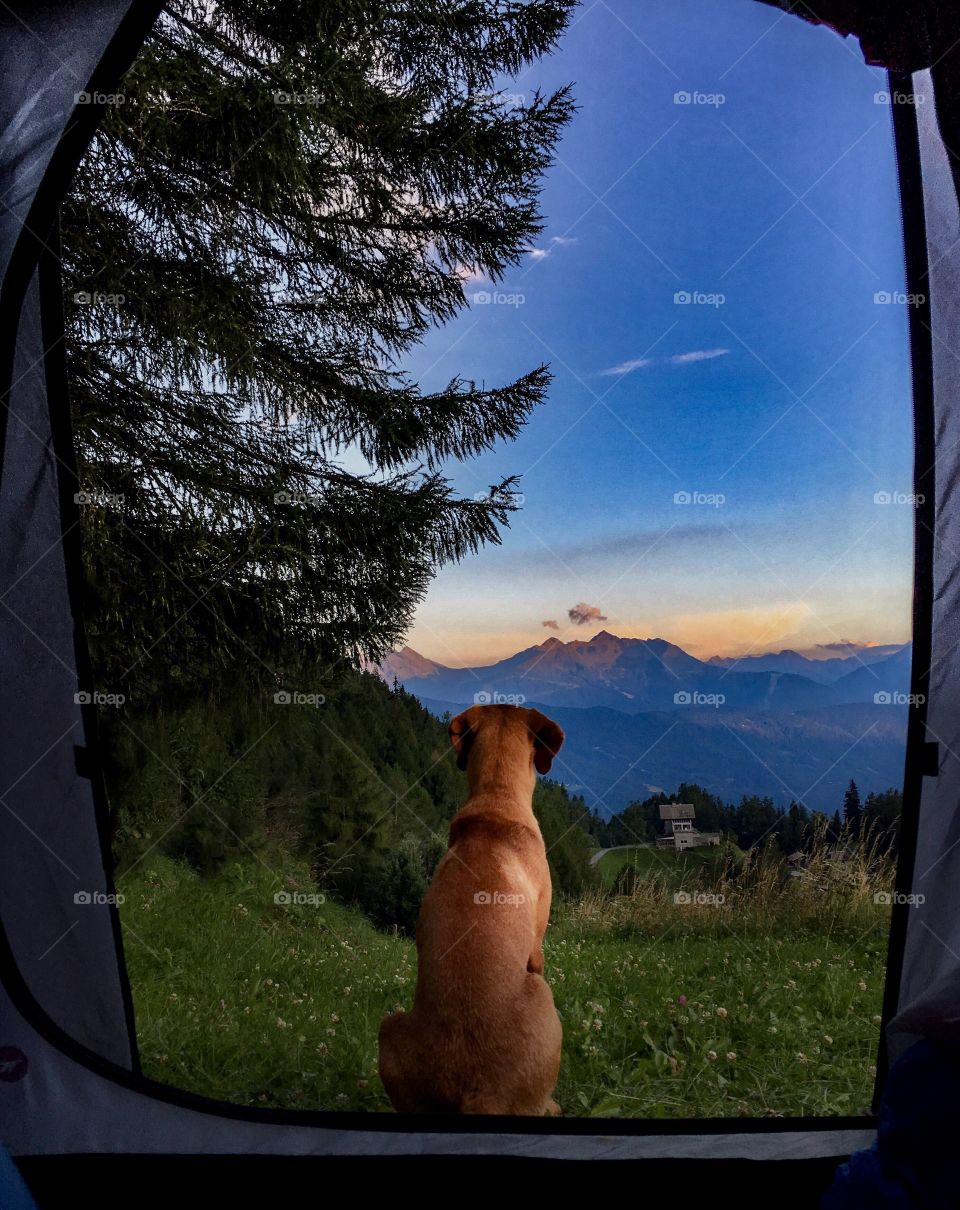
550	643
604	636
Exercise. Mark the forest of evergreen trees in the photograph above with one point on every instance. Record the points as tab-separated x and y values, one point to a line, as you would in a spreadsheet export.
363	784
754	819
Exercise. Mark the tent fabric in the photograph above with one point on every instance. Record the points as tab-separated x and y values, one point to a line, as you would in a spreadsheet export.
892	33
914	1163
69	1082
930	975
50	845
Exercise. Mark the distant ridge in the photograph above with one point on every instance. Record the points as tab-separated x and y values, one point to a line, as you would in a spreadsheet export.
643	713
653	674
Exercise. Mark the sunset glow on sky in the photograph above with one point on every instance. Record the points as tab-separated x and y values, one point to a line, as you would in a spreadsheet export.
726	451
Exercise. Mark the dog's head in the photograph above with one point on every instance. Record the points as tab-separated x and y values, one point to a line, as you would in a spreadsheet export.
497	730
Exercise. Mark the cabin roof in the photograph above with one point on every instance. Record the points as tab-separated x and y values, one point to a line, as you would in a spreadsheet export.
677	810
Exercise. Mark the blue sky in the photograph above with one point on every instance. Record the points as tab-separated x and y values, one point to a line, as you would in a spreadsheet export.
789	399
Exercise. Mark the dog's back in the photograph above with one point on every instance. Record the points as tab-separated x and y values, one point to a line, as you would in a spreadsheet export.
483	1035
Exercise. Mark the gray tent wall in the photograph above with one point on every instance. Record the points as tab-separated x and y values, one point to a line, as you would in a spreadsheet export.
69	1082
928	1003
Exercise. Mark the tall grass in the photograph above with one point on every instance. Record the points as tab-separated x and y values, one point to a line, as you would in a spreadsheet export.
836	887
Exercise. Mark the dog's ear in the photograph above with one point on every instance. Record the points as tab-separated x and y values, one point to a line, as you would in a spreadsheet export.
461	737
547	740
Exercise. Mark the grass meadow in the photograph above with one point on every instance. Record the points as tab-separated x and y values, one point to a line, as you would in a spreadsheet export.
708	989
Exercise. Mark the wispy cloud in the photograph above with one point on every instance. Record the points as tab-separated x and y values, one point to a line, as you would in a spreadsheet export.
551	624
678	359
626	367
697	355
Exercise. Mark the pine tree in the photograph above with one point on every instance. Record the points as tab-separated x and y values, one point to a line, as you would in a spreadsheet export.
289	197
852	810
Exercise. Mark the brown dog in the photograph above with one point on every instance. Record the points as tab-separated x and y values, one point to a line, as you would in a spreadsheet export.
483	1035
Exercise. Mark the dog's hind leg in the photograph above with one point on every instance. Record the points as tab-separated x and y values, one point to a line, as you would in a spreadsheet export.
398	1062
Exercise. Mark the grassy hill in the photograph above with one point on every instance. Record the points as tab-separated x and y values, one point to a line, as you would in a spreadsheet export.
666	1012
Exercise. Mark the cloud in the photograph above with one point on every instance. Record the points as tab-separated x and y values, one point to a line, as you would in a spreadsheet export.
678	359
583	613
625	367
551	623
558	241
468	273
852	646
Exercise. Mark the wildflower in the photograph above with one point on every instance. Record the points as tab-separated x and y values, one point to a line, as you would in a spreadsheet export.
828	1039
731	1056
862	986
681	1000
801	1057
712	1056
721	1013
281	1024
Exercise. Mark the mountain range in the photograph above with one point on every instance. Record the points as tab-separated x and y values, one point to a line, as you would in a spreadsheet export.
643	715
638	675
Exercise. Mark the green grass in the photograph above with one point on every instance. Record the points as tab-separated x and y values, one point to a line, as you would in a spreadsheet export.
677	867
246	1001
